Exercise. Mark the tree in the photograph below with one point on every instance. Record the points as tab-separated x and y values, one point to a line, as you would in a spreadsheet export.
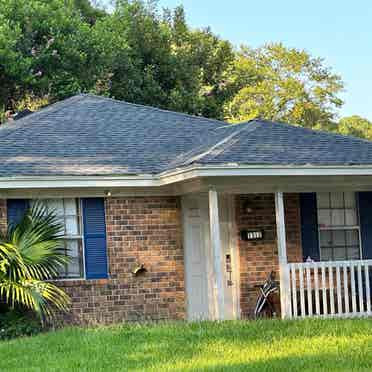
202	60
46	49
53	49
31	253
284	84
156	59
355	126
89	12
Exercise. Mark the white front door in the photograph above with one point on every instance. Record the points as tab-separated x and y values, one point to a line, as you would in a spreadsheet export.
198	258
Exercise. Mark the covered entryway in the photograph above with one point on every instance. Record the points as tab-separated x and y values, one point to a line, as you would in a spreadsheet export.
204	265
320	274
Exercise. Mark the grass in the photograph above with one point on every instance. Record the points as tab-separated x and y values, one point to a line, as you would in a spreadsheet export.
311	345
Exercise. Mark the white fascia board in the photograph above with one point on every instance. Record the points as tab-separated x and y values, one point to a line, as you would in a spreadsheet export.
231	171
178	175
77	182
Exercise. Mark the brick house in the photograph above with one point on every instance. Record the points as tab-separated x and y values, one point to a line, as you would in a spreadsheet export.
172	216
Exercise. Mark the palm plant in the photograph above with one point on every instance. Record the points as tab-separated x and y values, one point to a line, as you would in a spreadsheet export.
31	253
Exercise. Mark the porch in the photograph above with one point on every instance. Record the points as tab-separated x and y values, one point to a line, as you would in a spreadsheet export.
310	285
329	288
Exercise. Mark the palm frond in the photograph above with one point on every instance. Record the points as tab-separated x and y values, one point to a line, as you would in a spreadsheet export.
42	297
30	253
38	240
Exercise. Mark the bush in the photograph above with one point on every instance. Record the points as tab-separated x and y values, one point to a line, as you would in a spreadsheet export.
16	324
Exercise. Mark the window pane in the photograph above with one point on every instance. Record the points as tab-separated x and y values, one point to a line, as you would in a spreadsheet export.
326	254
74	268
339	253
350	201
70	207
337	200
324	217
325	238
323	199
55	205
337	217
352	237
339	238
339	244
351	217
72	225
73	251
72	248
353	253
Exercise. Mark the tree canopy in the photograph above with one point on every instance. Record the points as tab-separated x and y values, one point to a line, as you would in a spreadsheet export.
284	84
355	126
52	49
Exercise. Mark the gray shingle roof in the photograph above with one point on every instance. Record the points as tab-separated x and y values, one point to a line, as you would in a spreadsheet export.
91	135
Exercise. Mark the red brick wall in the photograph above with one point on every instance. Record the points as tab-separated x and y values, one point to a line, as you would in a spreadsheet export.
139	230
149	230
259	258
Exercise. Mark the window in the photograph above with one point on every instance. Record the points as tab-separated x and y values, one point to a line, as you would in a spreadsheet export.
69	213
338	224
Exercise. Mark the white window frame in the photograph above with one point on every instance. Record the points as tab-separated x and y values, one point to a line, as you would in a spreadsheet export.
73	237
341	228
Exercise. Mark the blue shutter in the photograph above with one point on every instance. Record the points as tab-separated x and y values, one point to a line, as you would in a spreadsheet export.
365	220
94	238
16	208
309	226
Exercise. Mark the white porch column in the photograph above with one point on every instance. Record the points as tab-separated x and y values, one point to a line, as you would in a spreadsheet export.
218	280
285	294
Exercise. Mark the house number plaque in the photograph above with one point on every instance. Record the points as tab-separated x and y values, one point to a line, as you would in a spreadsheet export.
251	234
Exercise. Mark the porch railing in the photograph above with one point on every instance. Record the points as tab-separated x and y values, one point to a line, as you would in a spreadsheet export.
329	289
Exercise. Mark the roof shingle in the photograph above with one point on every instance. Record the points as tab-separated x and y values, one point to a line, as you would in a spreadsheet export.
91	135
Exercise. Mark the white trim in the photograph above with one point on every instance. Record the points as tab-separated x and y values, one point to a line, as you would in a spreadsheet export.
332	228
178	175
235	255
82	227
285	300
77	182
352	272
262	170
215	237
280	227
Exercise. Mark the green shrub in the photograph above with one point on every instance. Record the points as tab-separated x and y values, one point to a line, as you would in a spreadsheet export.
16	324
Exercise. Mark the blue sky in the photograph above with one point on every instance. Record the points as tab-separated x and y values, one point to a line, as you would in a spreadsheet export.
338	31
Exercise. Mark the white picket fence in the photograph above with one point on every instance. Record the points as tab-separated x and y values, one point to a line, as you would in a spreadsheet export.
329	289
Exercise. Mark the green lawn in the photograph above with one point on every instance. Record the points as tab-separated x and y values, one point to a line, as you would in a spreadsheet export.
316	345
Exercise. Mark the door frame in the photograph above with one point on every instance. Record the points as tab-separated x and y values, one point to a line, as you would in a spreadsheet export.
235	254
202	200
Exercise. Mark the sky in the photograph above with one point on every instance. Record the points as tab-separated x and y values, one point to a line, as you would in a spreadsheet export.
339	31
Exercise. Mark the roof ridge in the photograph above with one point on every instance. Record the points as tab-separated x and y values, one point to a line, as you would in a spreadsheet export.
220	143
215	121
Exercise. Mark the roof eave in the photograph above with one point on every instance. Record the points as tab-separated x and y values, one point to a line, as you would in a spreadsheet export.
180	175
